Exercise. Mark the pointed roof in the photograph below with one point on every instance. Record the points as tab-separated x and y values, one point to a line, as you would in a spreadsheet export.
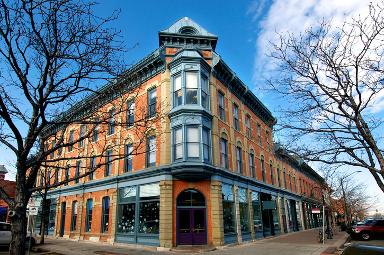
188	27
3	170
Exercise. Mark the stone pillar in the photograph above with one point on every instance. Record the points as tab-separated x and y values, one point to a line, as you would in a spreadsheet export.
237	214
279	200
166	208
217	214
301	214
250	215
287	214
113	212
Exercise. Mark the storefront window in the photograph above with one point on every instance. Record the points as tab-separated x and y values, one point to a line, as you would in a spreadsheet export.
243	207
126	222
52	216
299	226
275	216
257	220
149	208
228	209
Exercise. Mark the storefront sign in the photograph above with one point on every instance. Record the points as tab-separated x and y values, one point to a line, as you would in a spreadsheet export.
315	210
269	205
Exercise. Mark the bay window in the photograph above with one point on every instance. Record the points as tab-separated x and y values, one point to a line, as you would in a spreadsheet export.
206	145
193	142
178	91
178	143
191	86
204	92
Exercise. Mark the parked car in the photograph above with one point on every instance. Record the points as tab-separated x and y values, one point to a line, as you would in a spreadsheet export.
6	235
363	249
370	229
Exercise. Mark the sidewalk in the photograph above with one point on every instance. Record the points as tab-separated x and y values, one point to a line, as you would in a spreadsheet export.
296	243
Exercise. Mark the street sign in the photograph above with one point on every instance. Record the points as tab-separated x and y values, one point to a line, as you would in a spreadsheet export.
33	210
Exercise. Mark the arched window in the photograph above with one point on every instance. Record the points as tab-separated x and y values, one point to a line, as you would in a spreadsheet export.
272	176
190	198
252	163
74	216
224	150
239	158
105	215
263	168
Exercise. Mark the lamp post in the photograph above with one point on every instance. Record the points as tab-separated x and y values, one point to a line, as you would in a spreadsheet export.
344	196
323	201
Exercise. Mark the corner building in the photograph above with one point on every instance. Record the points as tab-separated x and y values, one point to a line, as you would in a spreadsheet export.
212	174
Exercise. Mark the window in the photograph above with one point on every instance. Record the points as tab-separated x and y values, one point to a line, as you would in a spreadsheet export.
111	122
151	103
57	172
81	136
191	88
178	143
236	122
92	167
70	140
77	172
252	163
301	186
248	126
278	177
108	163
224	151
193	142
130	113
128	150
262	168
178	91
206	145
290	181
259	133
239	158
67	173
204	92
74	216
221	106
285	178
52	154
294	183
41	179
151	151
105	215
88	215
267	138
257	219
95	132
243	208
127	210
228	209
271	168
149	208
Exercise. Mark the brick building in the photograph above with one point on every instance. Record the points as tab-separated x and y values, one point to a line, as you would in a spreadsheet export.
211	173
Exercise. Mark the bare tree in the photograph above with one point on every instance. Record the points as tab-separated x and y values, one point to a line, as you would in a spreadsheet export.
54	53
332	77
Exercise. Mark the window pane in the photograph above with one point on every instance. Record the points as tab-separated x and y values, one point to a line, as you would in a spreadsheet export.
227	192
179	151
193	134
177	82
178	135
193	150
127	194
126	222
149	217
191	80
150	191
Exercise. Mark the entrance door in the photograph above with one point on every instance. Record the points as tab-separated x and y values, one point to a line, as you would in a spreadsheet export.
192	227
62	222
191	218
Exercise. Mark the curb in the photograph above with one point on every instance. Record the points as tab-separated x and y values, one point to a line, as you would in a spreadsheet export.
333	248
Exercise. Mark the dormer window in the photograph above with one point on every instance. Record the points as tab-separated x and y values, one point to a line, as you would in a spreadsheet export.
188	30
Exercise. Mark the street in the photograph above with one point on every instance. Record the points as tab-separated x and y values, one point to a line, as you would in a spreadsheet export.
298	243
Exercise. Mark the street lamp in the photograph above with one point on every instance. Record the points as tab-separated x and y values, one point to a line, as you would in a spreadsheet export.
323	200
344	197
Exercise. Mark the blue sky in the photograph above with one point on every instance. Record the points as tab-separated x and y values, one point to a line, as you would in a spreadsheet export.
244	29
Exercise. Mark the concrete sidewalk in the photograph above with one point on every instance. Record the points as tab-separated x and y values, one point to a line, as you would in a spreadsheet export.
297	243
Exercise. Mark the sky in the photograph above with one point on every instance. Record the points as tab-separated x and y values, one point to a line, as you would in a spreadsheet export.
245	29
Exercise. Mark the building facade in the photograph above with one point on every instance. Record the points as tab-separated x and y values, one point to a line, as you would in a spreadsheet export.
10	188
209	173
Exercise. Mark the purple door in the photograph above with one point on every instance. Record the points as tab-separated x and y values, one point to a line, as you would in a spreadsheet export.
192	228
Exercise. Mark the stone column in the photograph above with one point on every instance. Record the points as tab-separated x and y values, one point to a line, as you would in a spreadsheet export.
301	214
166	207
217	214
113	212
279	200
287	214
250	215
237	214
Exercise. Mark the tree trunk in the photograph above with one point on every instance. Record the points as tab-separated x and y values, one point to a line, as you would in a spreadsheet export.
19	230
44	215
